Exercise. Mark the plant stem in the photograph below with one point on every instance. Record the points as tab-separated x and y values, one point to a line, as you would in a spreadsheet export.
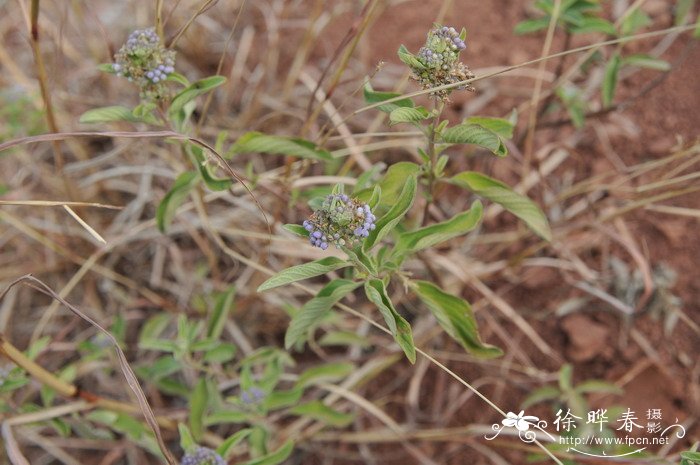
43	86
432	153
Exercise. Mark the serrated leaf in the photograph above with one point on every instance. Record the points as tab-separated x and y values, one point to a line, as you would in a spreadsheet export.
517	204
305	271
107	115
225	450
477	135
278	145
408	115
531	25
373	96
193	91
317	410
542	394
198	405
434	234
612	69
388	222
312	312
274	458
502	127
645	61
456	317
174	198
399	327
222	308
327	373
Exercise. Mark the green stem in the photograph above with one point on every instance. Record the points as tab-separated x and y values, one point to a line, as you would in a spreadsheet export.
432	154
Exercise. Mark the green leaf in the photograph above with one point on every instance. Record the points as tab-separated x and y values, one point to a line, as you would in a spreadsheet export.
281	399
174	198
296	229
502	127
610	79
315	308
594	385
343	338
456	317
226	417
179	78
274	458
222	308
278	145
193	91
205	170
691	455
328	373
305	271
477	135
517	204
409	58
394	181
434	234
317	410
682	10
399	327
645	61
388	222
531	25
634	22
221	354
594	24
187	442
225	450
566	373
542	394
372	96
408	115
198	405
106	68
108	114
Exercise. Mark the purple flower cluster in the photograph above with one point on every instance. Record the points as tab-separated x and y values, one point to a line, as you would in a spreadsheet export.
252	395
439	61
202	456
340	221
160	73
451	35
145	61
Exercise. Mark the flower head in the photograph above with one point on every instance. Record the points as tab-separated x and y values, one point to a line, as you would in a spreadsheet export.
252	395
341	221
437	62
202	456
144	61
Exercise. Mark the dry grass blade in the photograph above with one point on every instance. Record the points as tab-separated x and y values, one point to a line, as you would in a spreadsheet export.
11	446
84	224
131	379
49	203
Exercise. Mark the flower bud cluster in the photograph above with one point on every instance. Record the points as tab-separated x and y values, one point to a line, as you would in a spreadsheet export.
252	396
144	61
202	456
341	221
439	62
